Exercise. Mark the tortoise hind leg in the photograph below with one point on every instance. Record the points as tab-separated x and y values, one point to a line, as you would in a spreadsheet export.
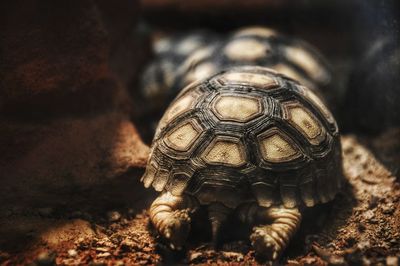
273	227
170	216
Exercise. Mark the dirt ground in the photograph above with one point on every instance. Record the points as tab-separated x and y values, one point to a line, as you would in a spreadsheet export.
360	227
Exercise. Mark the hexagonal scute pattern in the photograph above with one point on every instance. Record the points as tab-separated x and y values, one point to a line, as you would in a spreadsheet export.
252	79
275	148
225	152
246	50
236	108
182	137
305	123
183	104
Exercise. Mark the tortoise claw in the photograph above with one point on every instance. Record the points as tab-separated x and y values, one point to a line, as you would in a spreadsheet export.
177	229
264	245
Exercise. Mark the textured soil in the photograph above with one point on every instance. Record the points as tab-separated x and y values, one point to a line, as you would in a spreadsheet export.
360	227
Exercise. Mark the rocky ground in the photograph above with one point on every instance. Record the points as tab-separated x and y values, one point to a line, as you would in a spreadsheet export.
360	227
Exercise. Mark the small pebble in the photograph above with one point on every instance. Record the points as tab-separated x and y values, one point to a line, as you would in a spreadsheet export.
127	244
46	258
233	255
113	216
194	256
363	245
392	261
388	209
293	263
146	249
368	215
104	255
72	253
102	249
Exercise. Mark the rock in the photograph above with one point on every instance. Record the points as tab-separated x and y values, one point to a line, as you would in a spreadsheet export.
388	208
113	216
127	245
293	263
72	253
233	256
119	263
124	221
392	261
102	249
104	255
368	215
327	256
46	258
65	116
193	257
64	155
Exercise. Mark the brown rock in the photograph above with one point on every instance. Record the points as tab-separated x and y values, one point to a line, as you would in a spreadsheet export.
64	122
67	153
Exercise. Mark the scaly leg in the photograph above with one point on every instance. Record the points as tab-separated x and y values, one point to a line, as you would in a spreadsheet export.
170	216
273	227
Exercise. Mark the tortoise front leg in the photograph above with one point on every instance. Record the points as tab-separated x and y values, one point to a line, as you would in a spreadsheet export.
273	227
170	216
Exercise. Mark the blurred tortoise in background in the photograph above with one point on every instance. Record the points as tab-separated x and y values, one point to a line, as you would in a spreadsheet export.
248	142
182	59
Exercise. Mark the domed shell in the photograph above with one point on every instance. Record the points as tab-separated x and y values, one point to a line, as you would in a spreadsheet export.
247	133
256	46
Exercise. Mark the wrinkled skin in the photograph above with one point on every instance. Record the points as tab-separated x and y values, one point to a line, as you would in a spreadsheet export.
272	228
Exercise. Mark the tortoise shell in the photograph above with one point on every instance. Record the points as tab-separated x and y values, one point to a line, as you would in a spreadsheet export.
170	52
248	133
177	66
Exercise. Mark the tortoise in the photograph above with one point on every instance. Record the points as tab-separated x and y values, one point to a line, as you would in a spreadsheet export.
249	142
158	82
183	59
